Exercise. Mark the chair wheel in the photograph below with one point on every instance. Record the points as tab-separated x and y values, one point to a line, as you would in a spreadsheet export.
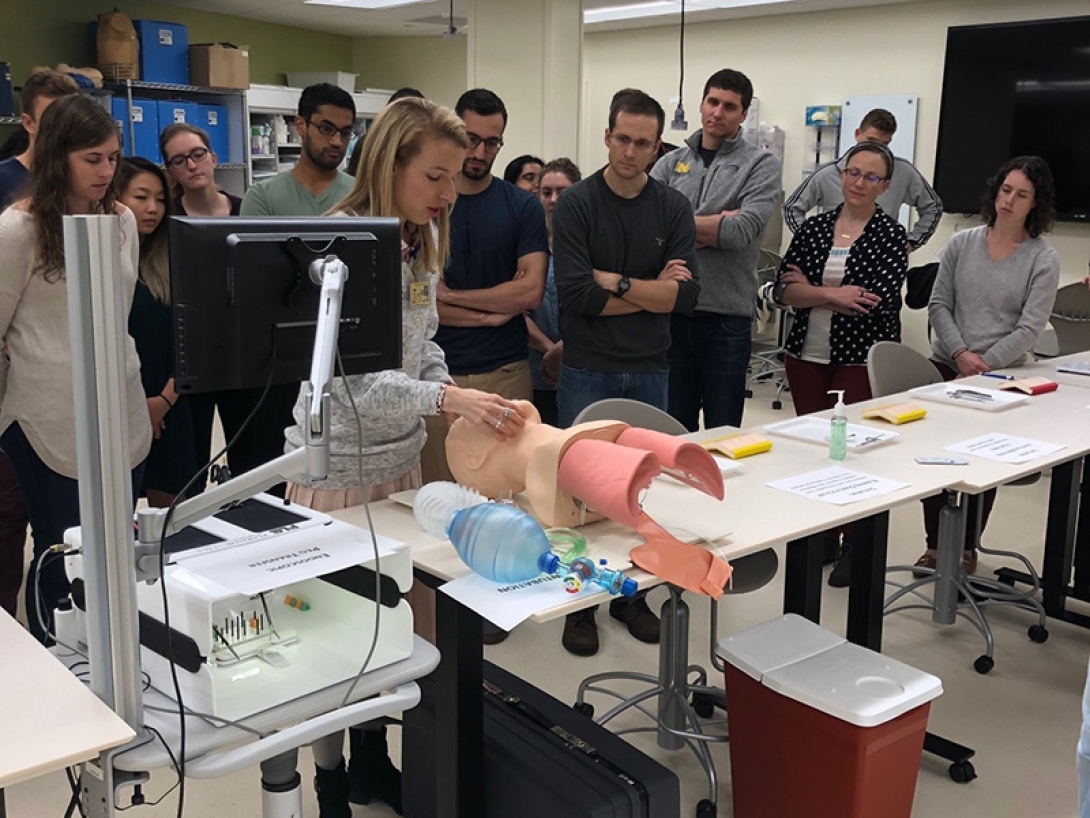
703	707
584	709
982	665
749	393
1038	634
962	772
777	404
706	809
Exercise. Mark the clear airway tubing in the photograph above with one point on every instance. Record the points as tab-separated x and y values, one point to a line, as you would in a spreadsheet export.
503	543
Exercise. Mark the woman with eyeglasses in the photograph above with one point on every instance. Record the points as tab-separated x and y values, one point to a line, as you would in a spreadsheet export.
991	300
191	163
843	274
524	172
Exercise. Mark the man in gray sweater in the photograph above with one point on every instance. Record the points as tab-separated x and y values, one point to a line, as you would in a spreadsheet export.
732	188
822	189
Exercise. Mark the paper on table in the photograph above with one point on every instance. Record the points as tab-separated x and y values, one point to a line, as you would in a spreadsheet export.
1005	448
251	569
838	486
508	605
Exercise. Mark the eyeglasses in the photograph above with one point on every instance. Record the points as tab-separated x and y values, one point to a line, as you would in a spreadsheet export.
196	155
622	142
491	145
328	129
869	178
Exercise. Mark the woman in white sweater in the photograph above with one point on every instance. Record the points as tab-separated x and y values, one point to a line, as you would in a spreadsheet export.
992	297
75	156
409	160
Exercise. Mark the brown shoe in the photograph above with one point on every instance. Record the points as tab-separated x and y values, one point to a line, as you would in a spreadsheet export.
640	619
581	633
968	562
928	560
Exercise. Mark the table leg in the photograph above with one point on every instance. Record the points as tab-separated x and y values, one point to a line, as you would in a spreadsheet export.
3	809
1063	501
1081	586
866	591
802	577
459	711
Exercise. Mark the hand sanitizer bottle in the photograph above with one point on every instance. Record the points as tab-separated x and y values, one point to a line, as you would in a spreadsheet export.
838	428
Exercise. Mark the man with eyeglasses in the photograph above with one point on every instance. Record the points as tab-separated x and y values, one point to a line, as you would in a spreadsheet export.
624	261
731	186
314	186
822	190
326	116
499	250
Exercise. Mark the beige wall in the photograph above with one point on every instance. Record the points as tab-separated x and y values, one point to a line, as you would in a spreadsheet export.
809	59
435	65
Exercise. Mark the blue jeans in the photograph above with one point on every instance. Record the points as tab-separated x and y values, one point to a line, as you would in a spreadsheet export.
579	388
709	357
52	504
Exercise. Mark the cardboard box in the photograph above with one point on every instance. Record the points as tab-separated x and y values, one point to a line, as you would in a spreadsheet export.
220	65
164	52
117	47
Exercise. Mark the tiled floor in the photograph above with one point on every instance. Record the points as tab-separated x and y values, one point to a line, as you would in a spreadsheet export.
1023	718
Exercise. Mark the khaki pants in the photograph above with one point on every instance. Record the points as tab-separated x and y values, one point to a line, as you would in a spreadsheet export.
511	381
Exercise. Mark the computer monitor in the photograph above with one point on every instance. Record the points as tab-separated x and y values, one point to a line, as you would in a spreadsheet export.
242	293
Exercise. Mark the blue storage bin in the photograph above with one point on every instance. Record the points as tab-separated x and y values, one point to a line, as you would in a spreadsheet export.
164	52
7	99
145	122
213	119
178	110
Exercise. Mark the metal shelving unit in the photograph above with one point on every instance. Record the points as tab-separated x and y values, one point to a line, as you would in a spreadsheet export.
232	175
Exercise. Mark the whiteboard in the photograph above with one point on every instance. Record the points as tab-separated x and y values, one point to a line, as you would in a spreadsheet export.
903	107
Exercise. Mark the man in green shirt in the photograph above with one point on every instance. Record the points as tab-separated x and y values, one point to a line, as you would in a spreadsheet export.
315	185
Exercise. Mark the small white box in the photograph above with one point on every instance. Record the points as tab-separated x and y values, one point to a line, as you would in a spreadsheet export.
343	79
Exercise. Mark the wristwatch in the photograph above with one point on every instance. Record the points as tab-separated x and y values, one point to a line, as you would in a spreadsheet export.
622	287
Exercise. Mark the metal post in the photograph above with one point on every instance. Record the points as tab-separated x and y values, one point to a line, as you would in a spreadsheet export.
673	668
97	317
948	561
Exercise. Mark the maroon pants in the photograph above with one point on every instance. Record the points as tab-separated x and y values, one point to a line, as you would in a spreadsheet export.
810	384
932	506
13	524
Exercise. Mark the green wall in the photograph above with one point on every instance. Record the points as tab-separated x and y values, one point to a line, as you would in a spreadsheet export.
37	33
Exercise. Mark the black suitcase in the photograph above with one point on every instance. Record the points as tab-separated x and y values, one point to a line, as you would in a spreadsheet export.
541	760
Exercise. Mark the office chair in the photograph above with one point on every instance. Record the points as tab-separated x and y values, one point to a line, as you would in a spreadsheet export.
680	700
894	368
766	358
1070	319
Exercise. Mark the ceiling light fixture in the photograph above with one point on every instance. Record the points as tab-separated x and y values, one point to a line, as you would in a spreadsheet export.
372	5
663	8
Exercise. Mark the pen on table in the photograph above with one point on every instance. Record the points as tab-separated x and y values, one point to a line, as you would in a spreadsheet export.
999	375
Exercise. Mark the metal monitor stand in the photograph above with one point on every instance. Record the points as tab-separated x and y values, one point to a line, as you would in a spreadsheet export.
98	317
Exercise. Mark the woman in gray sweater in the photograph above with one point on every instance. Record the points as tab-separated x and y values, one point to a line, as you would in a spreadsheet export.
992	297
408	162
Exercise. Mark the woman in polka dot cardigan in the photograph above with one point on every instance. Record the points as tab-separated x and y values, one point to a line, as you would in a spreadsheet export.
843	274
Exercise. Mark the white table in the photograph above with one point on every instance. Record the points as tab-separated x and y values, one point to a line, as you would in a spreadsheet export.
49	719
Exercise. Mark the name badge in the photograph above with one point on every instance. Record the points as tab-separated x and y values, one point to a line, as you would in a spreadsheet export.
419	294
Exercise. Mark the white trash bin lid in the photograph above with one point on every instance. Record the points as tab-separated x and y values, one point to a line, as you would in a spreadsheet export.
804	662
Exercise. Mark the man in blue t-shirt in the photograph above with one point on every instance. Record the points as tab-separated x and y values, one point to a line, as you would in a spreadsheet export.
40	89
499	250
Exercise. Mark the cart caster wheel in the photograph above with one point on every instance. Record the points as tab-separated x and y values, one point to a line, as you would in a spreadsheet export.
584	709
702	707
749	393
706	809
1038	634
982	665
777	404
962	772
